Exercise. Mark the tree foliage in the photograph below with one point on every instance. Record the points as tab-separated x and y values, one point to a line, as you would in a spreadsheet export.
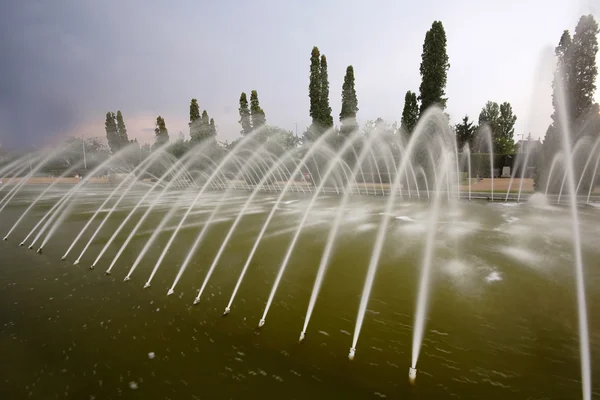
434	68
465	133
194	110
195	121
562	78
314	86
204	128
122	130
349	104
583	64
212	129
161	133
256	113
244	111
410	113
325	118
501	121
112	133
576	73
504	138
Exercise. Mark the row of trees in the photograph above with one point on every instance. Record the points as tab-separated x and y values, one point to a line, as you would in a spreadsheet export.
318	93
576	73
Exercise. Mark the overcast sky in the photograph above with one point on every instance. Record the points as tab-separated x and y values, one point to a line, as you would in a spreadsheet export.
65	63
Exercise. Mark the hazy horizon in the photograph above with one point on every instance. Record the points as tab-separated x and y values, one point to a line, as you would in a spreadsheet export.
67	63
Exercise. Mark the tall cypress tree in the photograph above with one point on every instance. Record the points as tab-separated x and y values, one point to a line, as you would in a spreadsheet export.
583	65
349	104
204	128
314	86
410	113
563	73
434	68
112	133
325	118
244	111
161	132
212	129
256	113
123	138
195	121
194	110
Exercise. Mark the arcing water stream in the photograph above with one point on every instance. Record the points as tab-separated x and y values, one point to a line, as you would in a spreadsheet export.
424	168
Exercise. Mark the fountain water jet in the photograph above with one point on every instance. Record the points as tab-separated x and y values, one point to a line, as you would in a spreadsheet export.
141	168
584	341
182	164
235	224
431	116
578	146
423	293
310	154
38	198
485	133
326	257
247	140
331	167
57	213
178	164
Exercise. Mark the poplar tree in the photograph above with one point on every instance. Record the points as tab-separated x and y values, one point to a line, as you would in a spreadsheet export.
434	68
161	133
212	129
194	110
349	104
244	111
314	91
112	133
410	113
256	113
122	130
325	118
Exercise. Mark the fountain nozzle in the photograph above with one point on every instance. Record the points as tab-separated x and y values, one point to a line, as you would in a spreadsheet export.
5	238
21	244
227	311
76	262
412	375
146	285
30	247
352	353
261	323
63	258
106	273
126	278
170	292
196	301
39	251
302	337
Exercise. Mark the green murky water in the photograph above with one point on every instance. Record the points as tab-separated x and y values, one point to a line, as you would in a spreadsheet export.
502	316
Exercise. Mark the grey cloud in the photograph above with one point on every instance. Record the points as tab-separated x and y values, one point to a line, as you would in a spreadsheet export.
66	62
